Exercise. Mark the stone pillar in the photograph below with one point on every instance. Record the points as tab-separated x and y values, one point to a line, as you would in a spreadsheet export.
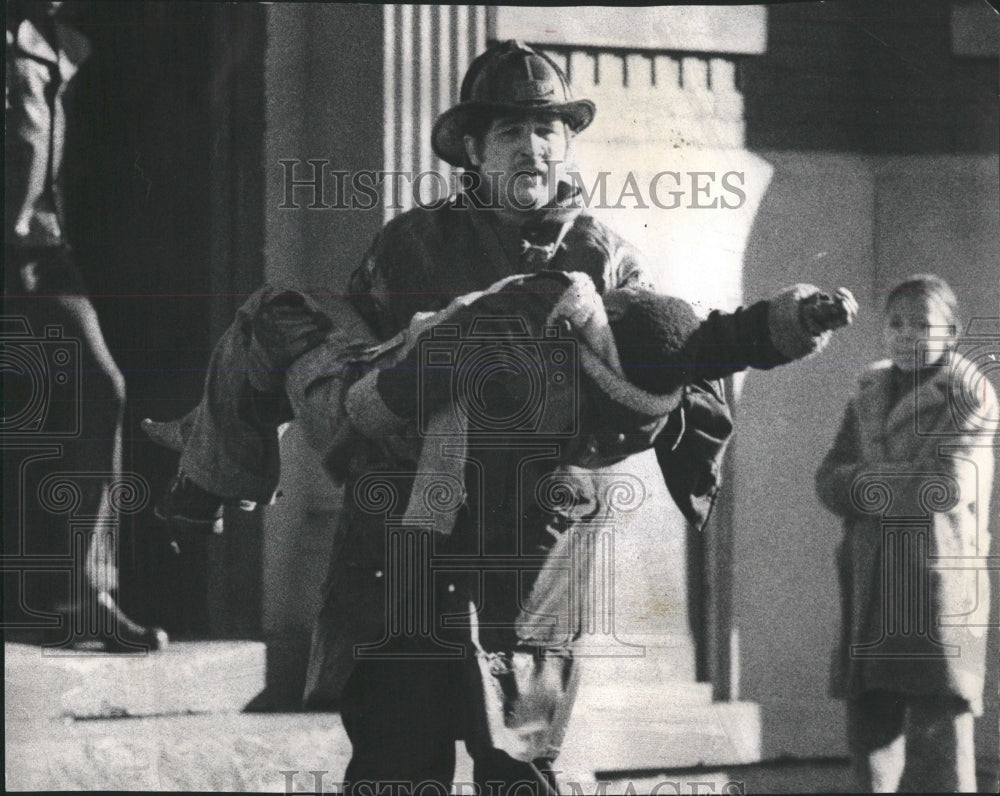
427	50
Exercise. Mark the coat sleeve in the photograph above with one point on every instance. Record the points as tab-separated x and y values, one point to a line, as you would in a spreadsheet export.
841	466
690	449
763	336
727	343
367	288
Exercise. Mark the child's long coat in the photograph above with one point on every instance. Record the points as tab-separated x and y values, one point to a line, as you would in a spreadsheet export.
912	483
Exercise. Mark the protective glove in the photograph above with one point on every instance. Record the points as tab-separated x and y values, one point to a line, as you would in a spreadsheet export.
821	312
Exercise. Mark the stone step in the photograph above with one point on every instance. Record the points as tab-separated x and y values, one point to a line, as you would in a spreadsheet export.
646	731
610	699
638	657
250	752
211	753
186	677
178	725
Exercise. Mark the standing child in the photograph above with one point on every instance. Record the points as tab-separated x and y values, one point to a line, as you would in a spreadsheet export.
911	473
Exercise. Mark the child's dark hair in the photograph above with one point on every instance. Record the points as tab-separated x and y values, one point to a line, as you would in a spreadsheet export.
934	288
651	335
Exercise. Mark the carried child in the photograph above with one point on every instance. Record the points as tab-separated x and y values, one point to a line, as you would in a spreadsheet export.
649	343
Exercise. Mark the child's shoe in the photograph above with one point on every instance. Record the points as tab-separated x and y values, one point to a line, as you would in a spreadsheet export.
188	503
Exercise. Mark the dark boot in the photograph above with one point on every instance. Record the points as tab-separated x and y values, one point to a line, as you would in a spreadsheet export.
187	503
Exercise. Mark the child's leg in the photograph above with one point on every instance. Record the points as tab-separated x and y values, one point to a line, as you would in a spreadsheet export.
229	451
197	492
229	442
940	750
876	741
232	450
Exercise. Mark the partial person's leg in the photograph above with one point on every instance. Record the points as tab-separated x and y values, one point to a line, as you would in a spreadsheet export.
222	454
498	774
98	451
99	446
400	720
495	772
876	741
229	442
940	749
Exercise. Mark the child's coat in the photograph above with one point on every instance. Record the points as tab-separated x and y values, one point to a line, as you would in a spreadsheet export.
918	473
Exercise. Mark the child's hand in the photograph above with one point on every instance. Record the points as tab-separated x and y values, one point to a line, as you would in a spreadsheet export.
821	312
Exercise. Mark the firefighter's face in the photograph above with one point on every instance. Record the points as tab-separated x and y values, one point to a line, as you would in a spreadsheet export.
527	154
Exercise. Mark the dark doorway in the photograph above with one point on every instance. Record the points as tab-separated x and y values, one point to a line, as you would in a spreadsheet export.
166	195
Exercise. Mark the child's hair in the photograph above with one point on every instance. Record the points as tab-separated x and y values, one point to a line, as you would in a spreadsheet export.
935	289
650	337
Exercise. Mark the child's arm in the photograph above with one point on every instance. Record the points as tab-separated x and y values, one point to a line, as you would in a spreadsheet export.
796	323
841	466
726	344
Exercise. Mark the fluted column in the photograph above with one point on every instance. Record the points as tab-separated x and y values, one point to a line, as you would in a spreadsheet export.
427	51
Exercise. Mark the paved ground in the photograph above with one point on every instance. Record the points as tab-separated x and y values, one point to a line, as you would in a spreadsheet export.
79	722
621	739
276	753
250	752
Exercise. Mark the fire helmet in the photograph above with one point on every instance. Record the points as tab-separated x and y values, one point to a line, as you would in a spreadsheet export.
509	78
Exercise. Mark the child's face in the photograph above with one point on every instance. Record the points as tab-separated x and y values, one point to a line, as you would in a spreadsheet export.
915	317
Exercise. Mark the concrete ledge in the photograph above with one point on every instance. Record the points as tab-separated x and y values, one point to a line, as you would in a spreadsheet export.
612	702
187	677
646	733
213	753
741	29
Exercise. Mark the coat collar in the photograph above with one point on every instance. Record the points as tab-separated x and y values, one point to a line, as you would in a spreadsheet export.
565	206
878	419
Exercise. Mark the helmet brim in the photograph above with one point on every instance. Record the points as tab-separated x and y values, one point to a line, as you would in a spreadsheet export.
448	133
